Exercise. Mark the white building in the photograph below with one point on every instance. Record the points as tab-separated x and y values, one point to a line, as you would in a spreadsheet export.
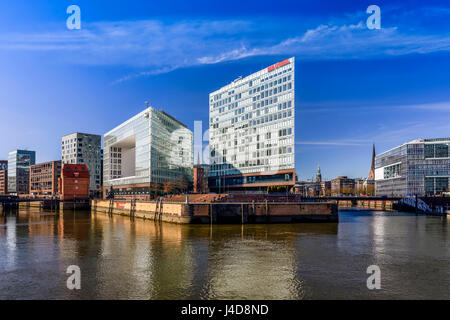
84	148
420	167
252	130
150	148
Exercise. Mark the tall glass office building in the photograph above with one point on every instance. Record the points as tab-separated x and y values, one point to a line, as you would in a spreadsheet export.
419	167
19	162
151	147
252	132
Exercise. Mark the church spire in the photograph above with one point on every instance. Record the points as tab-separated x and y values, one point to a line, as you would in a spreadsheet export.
372	168
319	175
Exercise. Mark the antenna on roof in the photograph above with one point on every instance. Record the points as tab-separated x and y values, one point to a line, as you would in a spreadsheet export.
147	105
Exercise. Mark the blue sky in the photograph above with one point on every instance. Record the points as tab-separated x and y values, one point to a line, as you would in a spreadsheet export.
354	86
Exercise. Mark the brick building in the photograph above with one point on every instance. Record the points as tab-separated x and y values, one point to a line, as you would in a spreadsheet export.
199	180
342	186
3	176
74	182
44	178
325	188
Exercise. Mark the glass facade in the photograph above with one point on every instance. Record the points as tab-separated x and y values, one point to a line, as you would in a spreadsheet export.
19	162
251	123
419	167
150	147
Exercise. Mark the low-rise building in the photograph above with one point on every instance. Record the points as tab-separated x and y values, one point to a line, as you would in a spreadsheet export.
200	178
3	176
74	182
44	178
307	188
365	187
342	186
325	188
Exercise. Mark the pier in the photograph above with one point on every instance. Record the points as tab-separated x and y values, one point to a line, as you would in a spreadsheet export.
426	205
51	204
220	212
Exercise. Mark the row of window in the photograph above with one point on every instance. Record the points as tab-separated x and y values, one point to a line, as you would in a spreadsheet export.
266	91
269	118
252	91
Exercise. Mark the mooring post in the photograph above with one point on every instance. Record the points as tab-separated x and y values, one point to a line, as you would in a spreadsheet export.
417	204
210	213
253	210
267	211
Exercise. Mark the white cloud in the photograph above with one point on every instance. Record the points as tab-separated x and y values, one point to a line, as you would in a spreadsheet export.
341	143
156	47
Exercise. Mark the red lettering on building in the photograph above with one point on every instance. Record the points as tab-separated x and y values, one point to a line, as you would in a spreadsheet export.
278	65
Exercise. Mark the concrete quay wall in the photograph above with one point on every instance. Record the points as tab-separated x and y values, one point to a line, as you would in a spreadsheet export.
177	212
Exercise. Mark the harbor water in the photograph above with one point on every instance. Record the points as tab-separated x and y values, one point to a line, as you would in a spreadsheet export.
123	258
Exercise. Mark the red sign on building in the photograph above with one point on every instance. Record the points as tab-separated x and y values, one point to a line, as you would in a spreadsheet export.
278	65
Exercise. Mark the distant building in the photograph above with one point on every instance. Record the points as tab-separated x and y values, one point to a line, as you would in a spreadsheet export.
44	178
314	188
84	148
74	182
325	188
420	167
365	187
146	151
342	186
19	162
3	176
307	188
252	131
201	178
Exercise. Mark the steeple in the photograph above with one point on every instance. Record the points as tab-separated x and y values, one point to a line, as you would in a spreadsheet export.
319	175
372	168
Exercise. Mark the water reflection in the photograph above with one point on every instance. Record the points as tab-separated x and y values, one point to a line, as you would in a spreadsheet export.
122	258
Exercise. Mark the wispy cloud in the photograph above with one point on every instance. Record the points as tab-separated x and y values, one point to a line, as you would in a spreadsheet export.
357	106
341	143
424	120
155	46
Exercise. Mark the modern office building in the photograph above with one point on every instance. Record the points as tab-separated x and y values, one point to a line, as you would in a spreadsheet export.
3	176
420	167
84	148
146	151
251	131
19	162
44	178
